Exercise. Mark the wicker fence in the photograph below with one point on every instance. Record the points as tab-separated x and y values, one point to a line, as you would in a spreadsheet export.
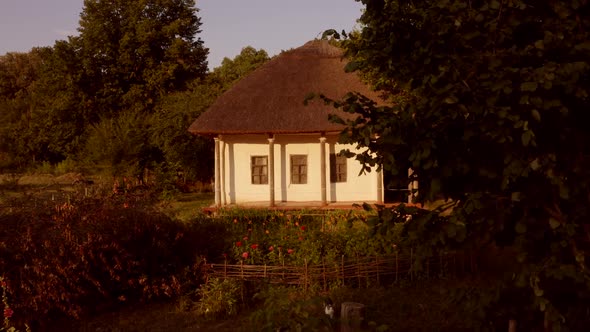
361	271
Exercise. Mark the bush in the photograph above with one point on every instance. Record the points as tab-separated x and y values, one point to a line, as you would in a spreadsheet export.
65	259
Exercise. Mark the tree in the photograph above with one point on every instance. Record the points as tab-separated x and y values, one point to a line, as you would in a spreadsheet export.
175	113
134	52
490	101
41	105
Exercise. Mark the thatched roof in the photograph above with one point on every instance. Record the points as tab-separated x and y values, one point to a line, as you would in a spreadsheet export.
271	98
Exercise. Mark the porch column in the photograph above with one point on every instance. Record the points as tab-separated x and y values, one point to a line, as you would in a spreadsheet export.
222	173
412	186
323	169
271	169
217	173
380	186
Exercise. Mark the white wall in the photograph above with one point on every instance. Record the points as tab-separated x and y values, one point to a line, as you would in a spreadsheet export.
237	151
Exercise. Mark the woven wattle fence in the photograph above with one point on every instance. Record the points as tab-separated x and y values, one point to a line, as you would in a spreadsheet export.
360	270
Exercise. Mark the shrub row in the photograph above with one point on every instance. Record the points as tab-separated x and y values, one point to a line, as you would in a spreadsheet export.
64	259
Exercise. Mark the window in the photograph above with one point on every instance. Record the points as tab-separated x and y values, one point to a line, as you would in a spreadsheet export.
298	169
259	167
337	168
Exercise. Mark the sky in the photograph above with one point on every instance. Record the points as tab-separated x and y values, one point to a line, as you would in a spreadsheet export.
227	25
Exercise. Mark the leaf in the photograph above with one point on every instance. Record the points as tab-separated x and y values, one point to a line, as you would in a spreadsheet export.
309	97
554	223
536	115
451	100
529	86
352	66
526	137
515	197
539	44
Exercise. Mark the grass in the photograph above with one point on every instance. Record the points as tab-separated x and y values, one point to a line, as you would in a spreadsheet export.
186	206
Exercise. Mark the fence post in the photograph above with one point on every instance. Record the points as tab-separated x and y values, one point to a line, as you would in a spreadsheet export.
358	270
377	264
305	276
324	273
396	265
342	267
411	264
242	269
442	268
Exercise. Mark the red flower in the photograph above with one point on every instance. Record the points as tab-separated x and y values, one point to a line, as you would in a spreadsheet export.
245	255
303	228
239	244
301	238
3	284
224	255
245	238
290	251
8	313
254	246
271	248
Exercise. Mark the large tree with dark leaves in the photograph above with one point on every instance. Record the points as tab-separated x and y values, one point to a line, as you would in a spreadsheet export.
491	112
135	51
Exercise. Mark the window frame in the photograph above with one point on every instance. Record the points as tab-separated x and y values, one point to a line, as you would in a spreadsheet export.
338	168
259	171
299	169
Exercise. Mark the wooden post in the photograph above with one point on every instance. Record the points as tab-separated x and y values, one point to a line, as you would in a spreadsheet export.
324	273
396	266
342	266
442	268
217	173
305	276
271	169
242	269
323	170
377	262
411	264
358	270
352	316
512	325
380	187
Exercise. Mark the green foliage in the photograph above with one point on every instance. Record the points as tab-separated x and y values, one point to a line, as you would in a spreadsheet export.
120	145
219	297
288	308
489	101
134	52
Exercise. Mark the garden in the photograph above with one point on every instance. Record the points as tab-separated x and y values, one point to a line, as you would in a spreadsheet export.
70	257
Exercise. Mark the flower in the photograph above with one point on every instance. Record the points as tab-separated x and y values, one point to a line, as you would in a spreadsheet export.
303	228
301	238
271	248
224	255
254	246
267	231
8	312
245	255
290	251
245	238
235	221
239	244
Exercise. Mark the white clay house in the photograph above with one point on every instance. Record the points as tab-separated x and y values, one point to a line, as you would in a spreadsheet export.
271	149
